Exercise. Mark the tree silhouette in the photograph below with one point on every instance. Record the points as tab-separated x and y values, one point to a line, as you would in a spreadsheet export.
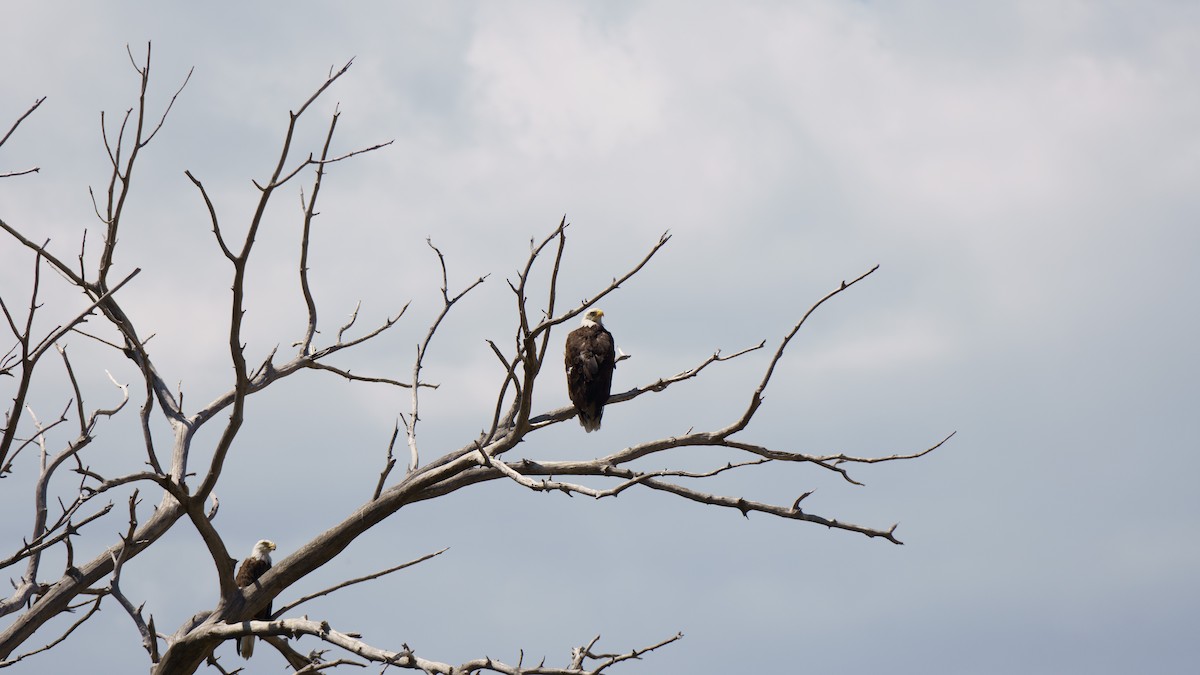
71	495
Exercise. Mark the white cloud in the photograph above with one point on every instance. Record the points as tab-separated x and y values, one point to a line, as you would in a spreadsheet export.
556	84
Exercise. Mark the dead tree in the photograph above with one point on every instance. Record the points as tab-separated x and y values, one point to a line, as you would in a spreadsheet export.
185	488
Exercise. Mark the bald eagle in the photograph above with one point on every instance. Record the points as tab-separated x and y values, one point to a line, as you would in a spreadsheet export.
252	568
590	358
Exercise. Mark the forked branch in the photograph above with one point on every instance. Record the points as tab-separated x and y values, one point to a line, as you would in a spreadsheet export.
4	139
410	422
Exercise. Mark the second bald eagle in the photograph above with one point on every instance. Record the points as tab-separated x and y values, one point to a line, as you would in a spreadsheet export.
590	357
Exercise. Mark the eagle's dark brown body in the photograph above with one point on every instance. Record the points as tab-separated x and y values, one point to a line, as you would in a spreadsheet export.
590	357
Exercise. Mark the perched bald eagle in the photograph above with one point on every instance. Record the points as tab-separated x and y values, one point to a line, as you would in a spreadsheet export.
252	568
590	358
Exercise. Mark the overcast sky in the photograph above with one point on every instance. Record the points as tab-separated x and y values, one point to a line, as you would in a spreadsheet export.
1026	175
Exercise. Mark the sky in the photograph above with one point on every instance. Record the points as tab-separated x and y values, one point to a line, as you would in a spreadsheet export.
1023	173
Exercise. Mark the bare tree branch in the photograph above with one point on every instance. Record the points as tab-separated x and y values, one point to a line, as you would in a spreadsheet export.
831	462
95	608
20	119
69	529
358	580
317	365
149	639
389	462
660	385
13	128
756	399
410	424
585	304
310	212
318	667
406	657
22	172
212	214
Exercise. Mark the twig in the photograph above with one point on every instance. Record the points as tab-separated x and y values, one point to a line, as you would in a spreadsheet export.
756	398
95	608
746	506
389	462
212	214
12	174
22	172
584	305
317	365
20	119
45	541
566	413
318	667
830	462
286	608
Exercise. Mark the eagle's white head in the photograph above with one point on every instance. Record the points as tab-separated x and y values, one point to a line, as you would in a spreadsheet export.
593	317
262	550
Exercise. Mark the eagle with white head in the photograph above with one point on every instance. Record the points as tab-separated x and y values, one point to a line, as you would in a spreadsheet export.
590	357
252	568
